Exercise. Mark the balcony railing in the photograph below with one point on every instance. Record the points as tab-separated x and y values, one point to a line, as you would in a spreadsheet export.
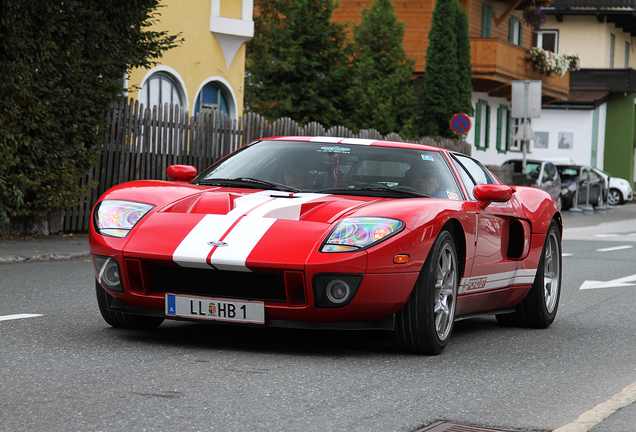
496	63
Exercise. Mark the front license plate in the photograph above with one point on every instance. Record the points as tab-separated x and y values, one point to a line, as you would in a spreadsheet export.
217	309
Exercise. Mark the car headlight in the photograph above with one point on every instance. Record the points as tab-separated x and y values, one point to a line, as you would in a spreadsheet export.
116	218
353	234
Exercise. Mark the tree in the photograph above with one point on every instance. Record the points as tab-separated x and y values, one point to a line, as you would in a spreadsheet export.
381	96
62	66
464	65
448	73
297	62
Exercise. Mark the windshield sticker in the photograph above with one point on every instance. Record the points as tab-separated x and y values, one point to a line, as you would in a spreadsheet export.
344	150
428	158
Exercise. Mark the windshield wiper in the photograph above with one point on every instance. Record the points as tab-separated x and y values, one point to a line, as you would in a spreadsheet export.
378	188
247	181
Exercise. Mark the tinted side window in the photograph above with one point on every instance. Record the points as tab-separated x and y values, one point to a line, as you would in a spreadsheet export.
550	170
472	173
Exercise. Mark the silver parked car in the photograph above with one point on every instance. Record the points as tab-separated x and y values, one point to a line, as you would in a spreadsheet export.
539	174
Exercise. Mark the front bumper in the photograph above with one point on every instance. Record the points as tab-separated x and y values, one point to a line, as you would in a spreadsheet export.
289	296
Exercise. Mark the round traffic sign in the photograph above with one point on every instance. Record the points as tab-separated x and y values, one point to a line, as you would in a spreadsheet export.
460	124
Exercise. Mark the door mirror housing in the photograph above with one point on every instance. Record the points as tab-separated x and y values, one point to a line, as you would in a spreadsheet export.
489	193
181	173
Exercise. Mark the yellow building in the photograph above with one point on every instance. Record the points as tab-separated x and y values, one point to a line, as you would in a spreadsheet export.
207	70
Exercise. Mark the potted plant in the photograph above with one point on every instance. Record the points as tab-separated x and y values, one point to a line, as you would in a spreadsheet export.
547	62
534	17
573	60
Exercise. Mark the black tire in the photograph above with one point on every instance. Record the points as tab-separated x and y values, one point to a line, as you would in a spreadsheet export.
615	197
425	322
539	307
121	319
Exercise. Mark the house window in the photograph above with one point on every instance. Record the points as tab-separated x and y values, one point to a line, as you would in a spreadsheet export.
486	20
626	55
516	31
611	56
212	96
546	39
159	89
482	125
503	129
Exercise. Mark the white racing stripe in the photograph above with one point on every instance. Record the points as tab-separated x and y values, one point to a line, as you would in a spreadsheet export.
359	141
18	316
241	230
496	280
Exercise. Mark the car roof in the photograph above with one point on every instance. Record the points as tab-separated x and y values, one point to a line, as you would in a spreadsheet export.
354	141
528	160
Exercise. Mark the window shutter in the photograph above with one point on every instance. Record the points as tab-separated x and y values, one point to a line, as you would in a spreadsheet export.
478	125
511	31
500	113
486	19
487	126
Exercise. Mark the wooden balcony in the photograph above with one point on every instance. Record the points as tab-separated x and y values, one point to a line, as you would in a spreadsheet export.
496	63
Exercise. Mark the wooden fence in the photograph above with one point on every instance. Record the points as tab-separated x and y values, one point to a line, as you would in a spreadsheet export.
141	143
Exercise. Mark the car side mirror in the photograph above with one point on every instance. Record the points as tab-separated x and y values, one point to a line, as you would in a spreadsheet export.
181	173
489	193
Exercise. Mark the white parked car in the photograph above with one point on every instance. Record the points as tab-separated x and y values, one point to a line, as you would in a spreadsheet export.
620	191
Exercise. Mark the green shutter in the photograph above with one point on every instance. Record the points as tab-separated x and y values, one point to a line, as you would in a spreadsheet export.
486	20
511	30
478	125
500	113
482	120
487	126
503	135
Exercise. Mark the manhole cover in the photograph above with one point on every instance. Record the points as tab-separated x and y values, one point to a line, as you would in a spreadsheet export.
454	427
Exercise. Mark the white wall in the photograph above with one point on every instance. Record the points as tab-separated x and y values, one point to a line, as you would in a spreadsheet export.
577	122
553	121
584	35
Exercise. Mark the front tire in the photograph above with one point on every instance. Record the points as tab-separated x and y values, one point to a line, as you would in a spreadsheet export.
539	307
121	319
615	197
425	322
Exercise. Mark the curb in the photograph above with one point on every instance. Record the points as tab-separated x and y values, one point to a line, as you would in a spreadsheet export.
18	259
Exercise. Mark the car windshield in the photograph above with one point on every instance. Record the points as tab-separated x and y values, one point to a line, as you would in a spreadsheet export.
343	168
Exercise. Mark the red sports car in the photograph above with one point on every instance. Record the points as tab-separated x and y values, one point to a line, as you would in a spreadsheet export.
335	233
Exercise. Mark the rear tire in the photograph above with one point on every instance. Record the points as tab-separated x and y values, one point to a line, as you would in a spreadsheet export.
425	322
539	307
121	319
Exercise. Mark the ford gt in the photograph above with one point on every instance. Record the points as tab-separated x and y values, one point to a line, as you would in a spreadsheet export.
329	233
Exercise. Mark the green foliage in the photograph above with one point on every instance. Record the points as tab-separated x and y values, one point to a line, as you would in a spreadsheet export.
448	73
62	66
297	62
464	65
381	96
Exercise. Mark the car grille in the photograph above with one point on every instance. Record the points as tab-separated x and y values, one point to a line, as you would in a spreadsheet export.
217	283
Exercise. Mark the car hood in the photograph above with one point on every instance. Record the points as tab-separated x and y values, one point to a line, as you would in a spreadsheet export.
235	229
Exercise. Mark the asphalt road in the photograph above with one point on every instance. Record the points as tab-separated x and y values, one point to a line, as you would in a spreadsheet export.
67	370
